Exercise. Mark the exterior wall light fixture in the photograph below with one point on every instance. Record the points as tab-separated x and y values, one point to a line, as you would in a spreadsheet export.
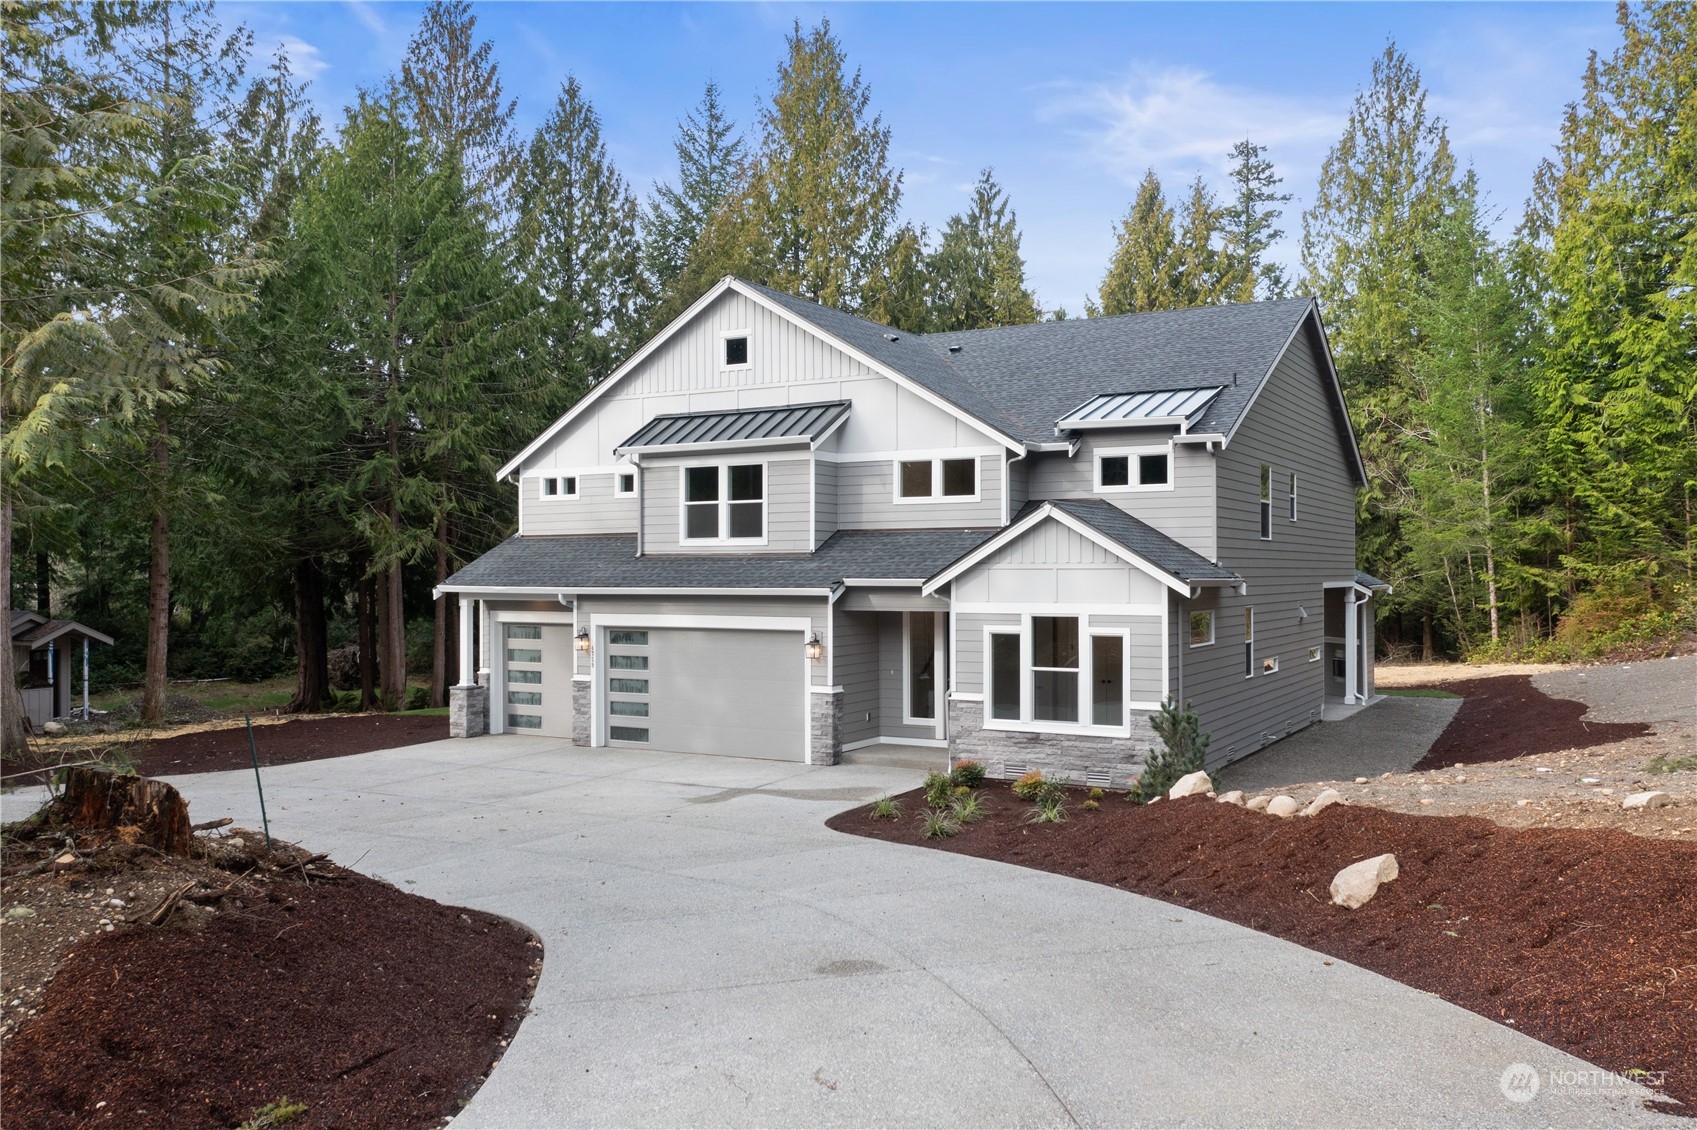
582	640
815	649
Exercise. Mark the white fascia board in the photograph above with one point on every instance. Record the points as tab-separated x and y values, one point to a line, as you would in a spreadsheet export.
883	582
1124	425
832	429
709	448
487	592
878	366
617	375
1047	448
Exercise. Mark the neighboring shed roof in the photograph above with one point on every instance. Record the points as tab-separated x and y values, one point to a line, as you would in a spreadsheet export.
569	563
740	426
1117	409
1369	581
43	632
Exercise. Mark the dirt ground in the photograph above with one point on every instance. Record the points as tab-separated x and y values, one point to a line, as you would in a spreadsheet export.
274	975
214	746
1583	939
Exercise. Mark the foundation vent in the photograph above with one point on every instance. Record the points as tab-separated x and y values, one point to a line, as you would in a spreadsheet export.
1014	772
1098	778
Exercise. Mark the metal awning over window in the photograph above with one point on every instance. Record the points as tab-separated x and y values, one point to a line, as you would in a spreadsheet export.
1138	409
739	428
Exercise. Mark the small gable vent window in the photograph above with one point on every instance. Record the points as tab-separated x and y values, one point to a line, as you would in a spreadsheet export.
1133	469
736	350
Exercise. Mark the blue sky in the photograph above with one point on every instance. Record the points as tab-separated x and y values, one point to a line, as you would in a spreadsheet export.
1069	102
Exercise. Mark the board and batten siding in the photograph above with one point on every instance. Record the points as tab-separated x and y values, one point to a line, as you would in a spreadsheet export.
1053	564
1186	513
787	365
866	498
595	510
788	499
1292	426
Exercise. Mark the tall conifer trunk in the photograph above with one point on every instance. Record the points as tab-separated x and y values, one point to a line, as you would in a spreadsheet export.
365	602
159	580
14	737
312	658
444	658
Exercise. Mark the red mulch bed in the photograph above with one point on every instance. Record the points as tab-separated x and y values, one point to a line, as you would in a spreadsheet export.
1584	939
1505	717
373	1007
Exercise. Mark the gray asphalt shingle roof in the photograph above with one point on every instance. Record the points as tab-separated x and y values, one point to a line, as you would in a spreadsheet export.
1140	538
1021	379
581	561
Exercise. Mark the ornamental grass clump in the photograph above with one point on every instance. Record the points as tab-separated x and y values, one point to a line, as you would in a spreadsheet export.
1050	809
966	807
1183	749
886	808
938	824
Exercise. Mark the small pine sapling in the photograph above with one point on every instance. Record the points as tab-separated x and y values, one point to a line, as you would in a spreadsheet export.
1184	747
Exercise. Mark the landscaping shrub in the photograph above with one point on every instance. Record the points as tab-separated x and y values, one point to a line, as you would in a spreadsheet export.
968	774
1183	750
417	698
938	790
886	808
1030	786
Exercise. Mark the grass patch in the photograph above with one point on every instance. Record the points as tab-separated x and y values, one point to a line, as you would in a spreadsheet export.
1671	764
427	712
1416	692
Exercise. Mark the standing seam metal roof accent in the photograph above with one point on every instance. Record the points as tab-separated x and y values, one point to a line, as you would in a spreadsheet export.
1116	406
787	421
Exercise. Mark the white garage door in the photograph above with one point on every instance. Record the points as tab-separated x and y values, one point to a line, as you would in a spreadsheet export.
735	693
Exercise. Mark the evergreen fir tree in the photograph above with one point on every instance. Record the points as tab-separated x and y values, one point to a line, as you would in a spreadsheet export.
1248	222
1202	275
453	87
977	270
710	165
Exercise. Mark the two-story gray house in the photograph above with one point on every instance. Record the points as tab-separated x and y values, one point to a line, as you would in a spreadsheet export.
782	531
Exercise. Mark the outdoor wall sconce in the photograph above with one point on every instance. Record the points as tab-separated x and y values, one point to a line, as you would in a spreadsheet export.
815	649
1301	614
582	640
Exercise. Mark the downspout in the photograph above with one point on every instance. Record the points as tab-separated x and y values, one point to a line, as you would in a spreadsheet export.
1007	485
641	499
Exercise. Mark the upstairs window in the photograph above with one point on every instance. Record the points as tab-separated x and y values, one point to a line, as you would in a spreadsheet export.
1201	628
624	484
1293	496
560	487
926	479
736	350
1266	503
1249	643
1134	469
725	503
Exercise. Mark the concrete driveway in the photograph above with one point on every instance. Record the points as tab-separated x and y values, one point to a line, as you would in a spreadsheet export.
716	956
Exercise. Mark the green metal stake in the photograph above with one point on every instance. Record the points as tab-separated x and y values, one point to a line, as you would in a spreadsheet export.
254	750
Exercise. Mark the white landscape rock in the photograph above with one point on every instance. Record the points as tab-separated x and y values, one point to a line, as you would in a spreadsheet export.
1359	882
1326	799
53	729
1190	784
1655	798
1282	806
1233	797
1256	804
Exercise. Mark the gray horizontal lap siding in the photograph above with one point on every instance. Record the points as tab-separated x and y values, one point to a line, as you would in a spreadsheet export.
1145	633
855	665
866	500
824	501
788	518
595	510
1290	427
1186	513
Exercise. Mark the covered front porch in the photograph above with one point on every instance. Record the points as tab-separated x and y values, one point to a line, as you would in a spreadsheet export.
1349	644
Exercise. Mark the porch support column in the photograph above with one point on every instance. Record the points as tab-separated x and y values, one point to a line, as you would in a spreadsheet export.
468	674
468	703
85	711
1351	656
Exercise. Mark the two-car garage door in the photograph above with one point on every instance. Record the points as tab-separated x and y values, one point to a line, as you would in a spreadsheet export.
704	690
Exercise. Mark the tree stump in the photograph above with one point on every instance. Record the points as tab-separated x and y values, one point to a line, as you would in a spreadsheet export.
136	809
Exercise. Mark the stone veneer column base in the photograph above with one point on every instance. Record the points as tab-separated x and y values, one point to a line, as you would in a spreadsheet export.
582	730
468	712
825	718
1076	758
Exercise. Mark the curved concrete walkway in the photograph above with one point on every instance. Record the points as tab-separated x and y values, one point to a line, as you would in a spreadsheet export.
716	956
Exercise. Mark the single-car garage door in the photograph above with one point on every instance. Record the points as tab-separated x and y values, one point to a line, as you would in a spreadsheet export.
728	692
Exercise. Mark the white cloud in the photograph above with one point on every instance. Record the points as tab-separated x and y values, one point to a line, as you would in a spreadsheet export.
367	15
305	60
1180	120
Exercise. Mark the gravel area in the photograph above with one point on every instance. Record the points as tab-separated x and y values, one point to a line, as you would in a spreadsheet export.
1387	737
1661	692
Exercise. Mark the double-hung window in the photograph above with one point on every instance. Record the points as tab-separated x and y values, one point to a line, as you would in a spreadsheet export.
1293	496
725	502
1266	503
1056	671
923	480
1134	468
1249	643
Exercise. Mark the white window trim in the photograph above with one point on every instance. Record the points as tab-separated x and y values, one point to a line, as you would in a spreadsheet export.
1213	626
1293	510
542	494
632	492
1270	665
1249	642
725	501
1314	654
726	335
938	683
1132	468
1264	502
936	458
1086	680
